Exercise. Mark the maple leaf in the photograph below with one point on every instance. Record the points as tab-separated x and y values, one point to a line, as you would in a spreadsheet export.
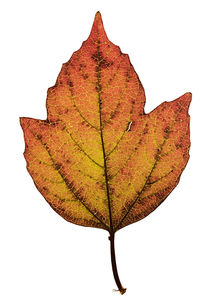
98	159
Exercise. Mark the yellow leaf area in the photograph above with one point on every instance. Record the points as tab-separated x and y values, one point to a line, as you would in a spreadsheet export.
98	159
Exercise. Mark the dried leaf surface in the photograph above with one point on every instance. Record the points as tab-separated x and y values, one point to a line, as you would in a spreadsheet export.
98	159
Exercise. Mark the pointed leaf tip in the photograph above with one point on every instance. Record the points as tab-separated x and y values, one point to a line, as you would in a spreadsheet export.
189	97
97	13
186	98
98	30
98	17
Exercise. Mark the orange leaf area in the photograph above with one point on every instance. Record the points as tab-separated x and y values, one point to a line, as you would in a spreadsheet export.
98	159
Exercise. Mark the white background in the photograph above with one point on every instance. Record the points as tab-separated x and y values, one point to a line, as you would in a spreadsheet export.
43	256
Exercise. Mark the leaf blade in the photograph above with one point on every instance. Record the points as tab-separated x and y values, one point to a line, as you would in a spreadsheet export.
102	144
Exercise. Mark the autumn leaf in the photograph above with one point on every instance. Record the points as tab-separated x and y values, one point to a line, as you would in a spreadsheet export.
99	160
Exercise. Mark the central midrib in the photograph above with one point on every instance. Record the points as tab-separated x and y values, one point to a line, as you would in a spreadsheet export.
101	132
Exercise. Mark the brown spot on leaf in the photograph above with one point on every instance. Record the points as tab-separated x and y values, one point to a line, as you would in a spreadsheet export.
39	136
146	129
178	146
70	83
167	129
85	76
101	61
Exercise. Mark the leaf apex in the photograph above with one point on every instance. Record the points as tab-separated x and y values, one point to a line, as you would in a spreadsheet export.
98	28
97	13
21	121
188	95
187	98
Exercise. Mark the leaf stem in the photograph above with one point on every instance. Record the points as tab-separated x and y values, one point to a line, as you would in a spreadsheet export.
122	290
